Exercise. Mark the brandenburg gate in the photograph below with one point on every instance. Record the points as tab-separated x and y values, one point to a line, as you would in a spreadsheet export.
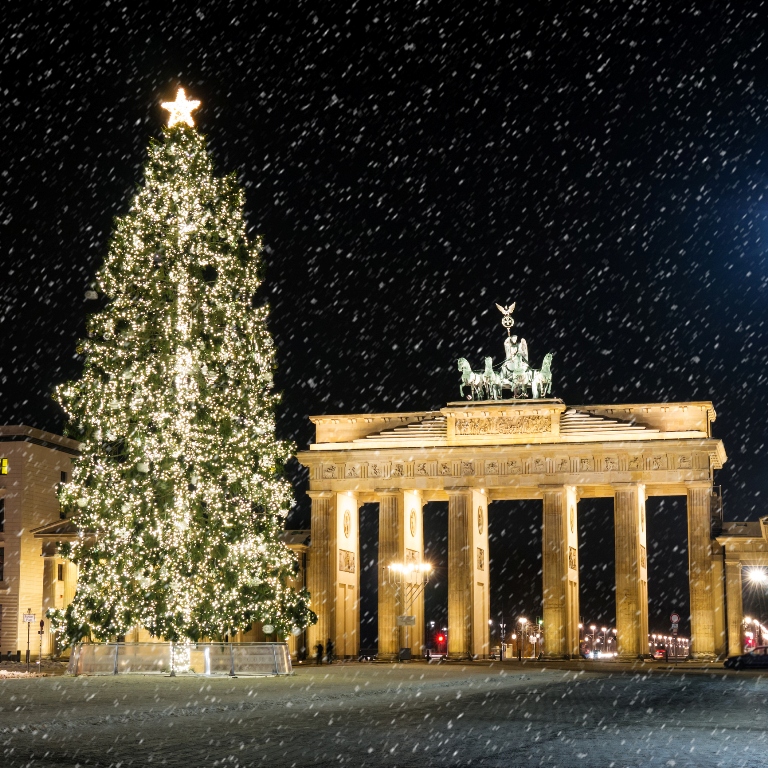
488	449
472	453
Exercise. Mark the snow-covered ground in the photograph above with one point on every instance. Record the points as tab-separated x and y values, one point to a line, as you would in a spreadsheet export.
393	715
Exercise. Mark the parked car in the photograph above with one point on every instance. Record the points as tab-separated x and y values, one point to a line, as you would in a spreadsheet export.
757	657
660	654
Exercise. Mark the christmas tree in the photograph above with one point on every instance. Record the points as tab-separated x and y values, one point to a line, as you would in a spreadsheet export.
179	483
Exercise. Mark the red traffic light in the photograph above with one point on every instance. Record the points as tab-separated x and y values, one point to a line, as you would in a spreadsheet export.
440	638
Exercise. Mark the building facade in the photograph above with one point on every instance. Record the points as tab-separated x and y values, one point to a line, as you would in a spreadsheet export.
33	463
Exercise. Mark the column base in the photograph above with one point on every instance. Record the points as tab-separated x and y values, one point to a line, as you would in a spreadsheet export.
458	657
702	657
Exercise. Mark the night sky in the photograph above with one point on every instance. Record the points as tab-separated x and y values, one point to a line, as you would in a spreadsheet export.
409	164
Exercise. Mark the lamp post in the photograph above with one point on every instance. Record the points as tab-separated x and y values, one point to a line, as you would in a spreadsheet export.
521	643
502	632
409	581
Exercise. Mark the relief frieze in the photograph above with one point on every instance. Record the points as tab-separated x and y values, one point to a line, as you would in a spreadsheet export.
504	425
658	462
346	561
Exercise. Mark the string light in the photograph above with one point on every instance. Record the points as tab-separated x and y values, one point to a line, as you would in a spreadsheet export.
180	475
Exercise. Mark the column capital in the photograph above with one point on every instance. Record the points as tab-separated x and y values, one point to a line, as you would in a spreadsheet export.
457	490
321	494
698	485
389	491
628	486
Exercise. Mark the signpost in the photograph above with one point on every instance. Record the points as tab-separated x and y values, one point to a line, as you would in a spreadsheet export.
29	618
40	656
674	617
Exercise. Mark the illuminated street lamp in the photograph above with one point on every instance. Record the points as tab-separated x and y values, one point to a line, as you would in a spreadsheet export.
409	581
521	645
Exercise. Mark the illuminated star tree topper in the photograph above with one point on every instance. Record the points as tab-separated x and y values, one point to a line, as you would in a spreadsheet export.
180	111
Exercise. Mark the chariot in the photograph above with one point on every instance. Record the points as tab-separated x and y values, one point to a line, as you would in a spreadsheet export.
514	373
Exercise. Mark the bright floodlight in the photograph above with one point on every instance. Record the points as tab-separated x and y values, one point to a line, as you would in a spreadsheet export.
757	575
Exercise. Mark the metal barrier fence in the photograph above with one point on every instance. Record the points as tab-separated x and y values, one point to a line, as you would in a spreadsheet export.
180	658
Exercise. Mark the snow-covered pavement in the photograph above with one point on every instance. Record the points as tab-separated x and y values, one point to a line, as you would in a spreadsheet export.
393	715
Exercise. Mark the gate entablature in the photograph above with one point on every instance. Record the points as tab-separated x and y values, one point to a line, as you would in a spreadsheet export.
513	449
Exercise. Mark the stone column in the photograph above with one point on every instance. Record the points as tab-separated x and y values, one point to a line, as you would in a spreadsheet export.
321	568
346	635
735	608
700	572
631	571
390	522
412	552
560	572
480	641
718	600
459	574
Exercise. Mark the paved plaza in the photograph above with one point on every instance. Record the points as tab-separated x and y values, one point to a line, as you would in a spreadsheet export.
481	714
